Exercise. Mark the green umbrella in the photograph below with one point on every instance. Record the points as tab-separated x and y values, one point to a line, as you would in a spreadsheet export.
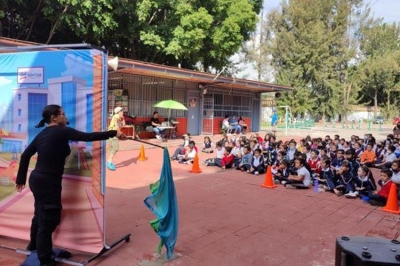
170	104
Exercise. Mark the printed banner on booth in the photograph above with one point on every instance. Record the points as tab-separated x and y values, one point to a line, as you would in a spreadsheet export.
75	80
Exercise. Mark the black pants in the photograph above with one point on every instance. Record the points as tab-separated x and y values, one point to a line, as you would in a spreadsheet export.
260	169
47	216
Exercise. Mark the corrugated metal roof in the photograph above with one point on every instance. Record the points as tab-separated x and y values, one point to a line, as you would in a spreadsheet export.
161	71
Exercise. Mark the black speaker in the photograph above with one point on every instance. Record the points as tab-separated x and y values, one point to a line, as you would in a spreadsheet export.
366	251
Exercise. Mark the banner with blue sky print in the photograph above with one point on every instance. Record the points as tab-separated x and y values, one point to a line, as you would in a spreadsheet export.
76	80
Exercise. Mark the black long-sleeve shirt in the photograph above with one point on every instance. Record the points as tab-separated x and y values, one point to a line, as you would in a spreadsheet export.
52	147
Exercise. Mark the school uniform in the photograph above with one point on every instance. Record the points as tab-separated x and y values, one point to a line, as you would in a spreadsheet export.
207	147
290	154
245	162
359	152
396	178
258	164
337	163
366	183
379	153
328	176
354	165
345	182
380	198
283	175
314	165
236	159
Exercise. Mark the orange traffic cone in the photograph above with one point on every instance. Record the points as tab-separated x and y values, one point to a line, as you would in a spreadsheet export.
196	167
392	204
268	182
142	156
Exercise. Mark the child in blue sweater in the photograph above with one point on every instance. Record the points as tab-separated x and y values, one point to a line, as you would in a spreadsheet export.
245	163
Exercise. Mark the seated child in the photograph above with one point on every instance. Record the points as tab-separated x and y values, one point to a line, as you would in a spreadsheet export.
227	160
257	163
314	162
189	155
219	154
379	152
346	146
396	172
337	162
388	158
236	152
182	148
245	163
207	145
354	164
303	178
368	156
326	177
358	150
344	180
364	183
380	198
270	155
283	172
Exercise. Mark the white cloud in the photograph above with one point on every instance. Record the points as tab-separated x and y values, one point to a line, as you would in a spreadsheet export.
76	66
5	81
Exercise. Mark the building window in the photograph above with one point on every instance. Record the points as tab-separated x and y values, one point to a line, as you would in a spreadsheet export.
19	127
19	112
19	97
68	101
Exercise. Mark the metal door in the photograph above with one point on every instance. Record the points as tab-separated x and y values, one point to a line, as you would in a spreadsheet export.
193	113
255	115
208	115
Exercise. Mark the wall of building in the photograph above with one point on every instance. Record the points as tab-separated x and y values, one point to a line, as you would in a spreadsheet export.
145	91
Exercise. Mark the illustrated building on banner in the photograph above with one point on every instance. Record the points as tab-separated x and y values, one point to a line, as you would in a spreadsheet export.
29	102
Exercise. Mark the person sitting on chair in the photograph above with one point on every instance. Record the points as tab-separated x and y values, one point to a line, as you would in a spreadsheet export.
236	128
225	125
155	123
242	124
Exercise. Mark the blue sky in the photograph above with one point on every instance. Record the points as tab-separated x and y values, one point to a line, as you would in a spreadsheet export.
389	10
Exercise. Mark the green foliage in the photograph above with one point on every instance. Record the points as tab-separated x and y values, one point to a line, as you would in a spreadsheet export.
160	31
314	50
380	68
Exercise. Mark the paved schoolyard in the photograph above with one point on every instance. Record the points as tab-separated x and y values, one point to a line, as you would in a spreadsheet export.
226	218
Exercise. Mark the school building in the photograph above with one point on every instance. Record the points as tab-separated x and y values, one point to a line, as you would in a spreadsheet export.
212	96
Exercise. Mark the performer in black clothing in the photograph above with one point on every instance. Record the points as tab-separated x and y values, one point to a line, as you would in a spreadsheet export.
45	180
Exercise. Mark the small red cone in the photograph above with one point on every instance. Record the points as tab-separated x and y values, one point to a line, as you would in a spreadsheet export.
392	204
196	167
142	156
268	182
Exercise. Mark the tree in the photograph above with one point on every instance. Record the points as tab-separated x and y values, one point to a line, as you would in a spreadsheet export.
159	31
380	68
311	50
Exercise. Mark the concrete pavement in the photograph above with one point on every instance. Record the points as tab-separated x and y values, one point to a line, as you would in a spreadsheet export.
226	218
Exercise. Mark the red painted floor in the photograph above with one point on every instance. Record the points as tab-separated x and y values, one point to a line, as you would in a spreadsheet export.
226	218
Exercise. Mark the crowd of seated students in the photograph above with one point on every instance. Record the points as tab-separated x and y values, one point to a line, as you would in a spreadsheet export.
340	166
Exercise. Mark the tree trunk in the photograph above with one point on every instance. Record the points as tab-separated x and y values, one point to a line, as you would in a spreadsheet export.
55	24
388	104
343	116
375	101
32	21
133	50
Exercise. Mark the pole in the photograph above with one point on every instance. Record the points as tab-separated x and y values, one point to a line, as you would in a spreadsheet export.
286	119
